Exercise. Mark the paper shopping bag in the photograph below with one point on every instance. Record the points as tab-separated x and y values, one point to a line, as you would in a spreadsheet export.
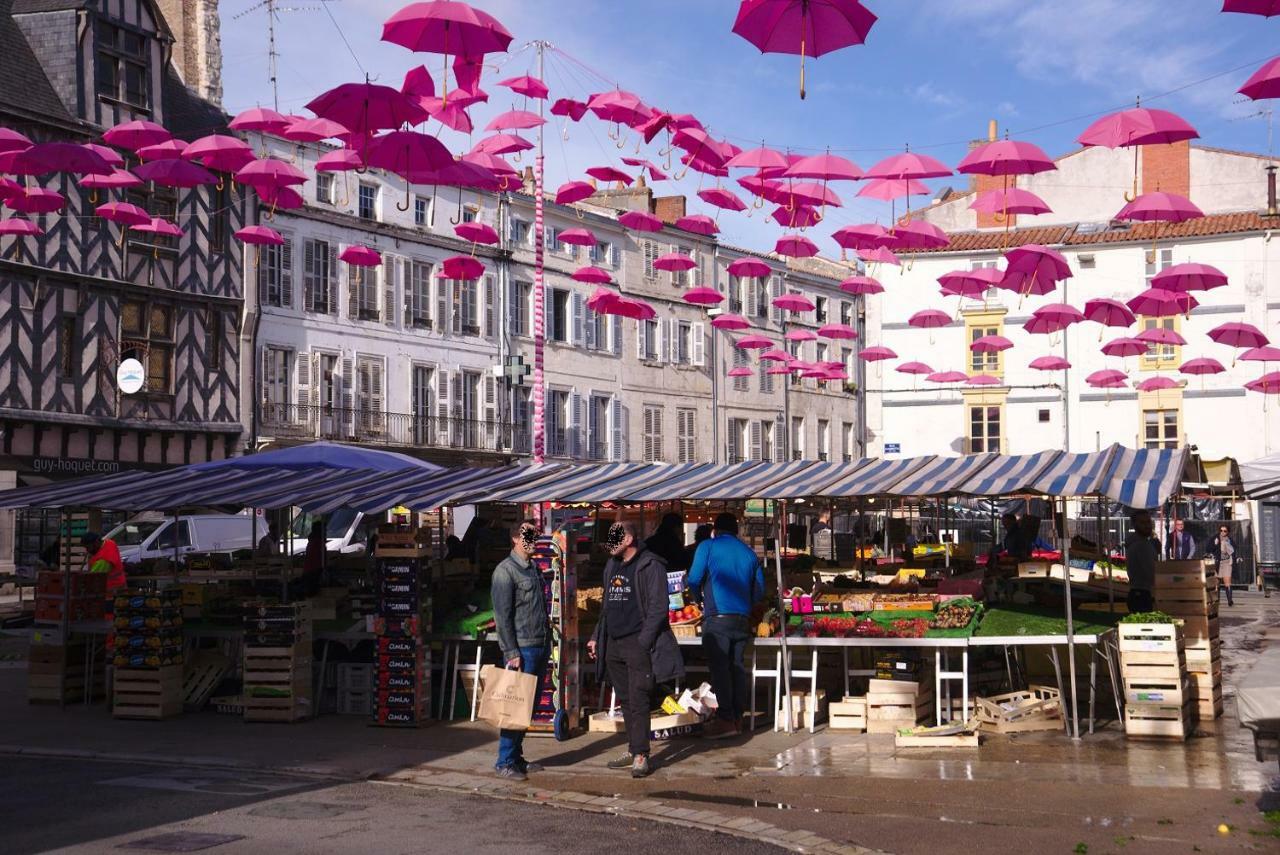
506	697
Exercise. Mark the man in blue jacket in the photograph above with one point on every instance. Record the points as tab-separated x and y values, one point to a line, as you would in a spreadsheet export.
727	573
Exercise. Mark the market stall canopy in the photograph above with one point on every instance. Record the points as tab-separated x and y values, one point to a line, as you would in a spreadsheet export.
1261	477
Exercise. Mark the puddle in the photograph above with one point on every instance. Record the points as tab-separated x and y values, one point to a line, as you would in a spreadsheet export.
730	801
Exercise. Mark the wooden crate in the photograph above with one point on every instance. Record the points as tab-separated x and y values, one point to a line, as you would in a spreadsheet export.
203	674
1200	629
1149	672
902	738
848	714
1149	638
150	693
1192	602
1193	567
1160	692
804	711
1156	722
277	683
1036	709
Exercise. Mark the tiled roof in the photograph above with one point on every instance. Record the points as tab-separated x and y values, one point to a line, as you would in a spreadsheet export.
186	114
31	7
1214	224
23	84
995	240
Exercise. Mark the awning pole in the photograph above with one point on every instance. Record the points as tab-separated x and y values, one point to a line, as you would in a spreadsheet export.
1071	627
782	611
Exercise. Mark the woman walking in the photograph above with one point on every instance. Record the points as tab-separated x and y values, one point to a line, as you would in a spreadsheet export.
1222	549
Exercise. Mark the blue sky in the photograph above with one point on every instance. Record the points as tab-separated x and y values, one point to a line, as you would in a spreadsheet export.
932	74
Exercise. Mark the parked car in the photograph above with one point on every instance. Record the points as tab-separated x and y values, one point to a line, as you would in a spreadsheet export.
346	531
153	535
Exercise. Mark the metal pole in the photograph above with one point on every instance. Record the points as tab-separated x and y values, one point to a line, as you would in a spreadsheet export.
782	611
715	364
539	307
1071	626
1066	397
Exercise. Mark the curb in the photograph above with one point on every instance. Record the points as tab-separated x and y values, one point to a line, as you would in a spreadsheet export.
200	762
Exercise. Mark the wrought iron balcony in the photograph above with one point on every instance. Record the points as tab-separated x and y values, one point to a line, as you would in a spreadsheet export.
407	430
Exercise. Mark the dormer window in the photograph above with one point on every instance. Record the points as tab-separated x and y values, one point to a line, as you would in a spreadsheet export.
122	66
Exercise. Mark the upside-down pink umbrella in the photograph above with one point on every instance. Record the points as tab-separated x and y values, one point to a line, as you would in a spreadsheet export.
136	134
753	342
730	322
800	334
577	237
698	224
18	227
1265	353
1263	83
175	173
837	332
970	283
702	296
879	255
674	262
947	377
864	285
574	191
1034	269
749	268
480	233
1010	200
220	152
929	319
640	221
11	140
1160	335
528	86
796	246
515	120
446	27
1268	384
793	303
160	151
262	119
1265	8
358	255
36	200
990	344
1189	276
1049	363
1156	384
1107	378
1159	303
592	275
1125	347
876	353
804	27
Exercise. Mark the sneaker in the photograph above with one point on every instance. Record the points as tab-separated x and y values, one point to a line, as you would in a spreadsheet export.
511	773
528	766
720	729
622	761
640	767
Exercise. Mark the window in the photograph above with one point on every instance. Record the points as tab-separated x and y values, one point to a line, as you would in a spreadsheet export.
466	306
978	325
275	274
598	428
160	202
766	379
362	287
557	439
822	351
984	428
1157	263
648	344
846	312
1161	355
319	277
686	448
559	320
520	232
820	310
683	350
165	539
824	439
220	218
737	287
738	439
470	213
762	298
682	278
369	394
417	298
421	403
1042	416
741	360
846	442
653	433
650	250
277	367
519	306
67	347
797	437
123	65
604	254
766	440
368	203
146	333
596	330
324	188
1160	428
421	211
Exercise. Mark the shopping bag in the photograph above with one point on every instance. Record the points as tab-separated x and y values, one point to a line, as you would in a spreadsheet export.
506	697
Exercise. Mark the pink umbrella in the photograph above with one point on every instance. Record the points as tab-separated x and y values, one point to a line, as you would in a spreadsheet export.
569	108
749	268
175	173
446	27
1040	325
136	134
758	158
1034	269
620	107
793	303
929	319
837	331
367	107
701	146
362	256
801	334
1265	8
947	377
530	87
702	296
476	233
1050	363
1125	347
741	371
778	370
1263	83
405	152
730	322
260	119
722	198
753	342
110	155
698	224
11	140
283	198
1109	313
879	255
808	193
342	160
452	114
1268	384
491	162
20	228
640	221
269	173
1238	335
1106	379
36	200
864	236
574	191
577	237
807	28
10	188
260	236
1010	200
798	217
775	355
314	130
1059	313
515	120
970	283
861	285
220	152
503	144
1162	207
1156	384
907	166
1203	365
827	167
593	275
1160	335
160	151
161	227
123	213
912	368
674	262
601	298
919	234
1189	277
655	174
984	380
887	189
876	354
990	344
631	307
1006	157
796	246
1158	303
1261	354
1137	126
462	267
43	158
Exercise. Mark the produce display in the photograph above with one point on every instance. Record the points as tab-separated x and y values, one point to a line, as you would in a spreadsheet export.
954	615
1010	620
688	614
1148	617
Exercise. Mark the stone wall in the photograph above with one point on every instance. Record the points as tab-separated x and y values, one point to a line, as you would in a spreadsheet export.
197	47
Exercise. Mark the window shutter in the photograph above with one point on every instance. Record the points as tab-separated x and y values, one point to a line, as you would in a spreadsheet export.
735	452
619	425
757	441
615	257
376	392
348	393
491	411
331	284
264	377
753	298
442	305
775	291
699	344
304	382
577	334
309	280
442	406
286	270
589	328
353	292
389	266
575	424
640	354
490	308
547	310
673	339
647	428
455	303
617	335
657	434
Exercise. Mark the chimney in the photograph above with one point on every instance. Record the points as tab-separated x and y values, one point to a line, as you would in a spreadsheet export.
1272	211
528	183
1167	167
983	183
197	44
669	208
992	130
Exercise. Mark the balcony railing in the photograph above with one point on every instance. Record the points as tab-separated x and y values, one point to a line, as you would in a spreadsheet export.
371	427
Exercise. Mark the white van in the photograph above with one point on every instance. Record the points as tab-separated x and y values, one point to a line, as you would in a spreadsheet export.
346	531
153	535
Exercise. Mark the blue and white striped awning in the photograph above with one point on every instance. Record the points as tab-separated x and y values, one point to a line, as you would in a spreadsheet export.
390	491
811	482
750	480
1144	478
618	489
1078	474
65	493
554	486
1008	474
475	491
941	475
875	478
686	485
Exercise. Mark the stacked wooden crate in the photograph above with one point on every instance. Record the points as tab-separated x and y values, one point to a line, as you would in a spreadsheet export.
57	668
848	714
401	690
893	704
147	653
1187	590
277	662
806	709
1153	666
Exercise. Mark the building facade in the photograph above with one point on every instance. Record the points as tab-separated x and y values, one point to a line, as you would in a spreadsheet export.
78	300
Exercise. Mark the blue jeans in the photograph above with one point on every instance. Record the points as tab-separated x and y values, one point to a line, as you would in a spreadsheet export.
725	639
533	660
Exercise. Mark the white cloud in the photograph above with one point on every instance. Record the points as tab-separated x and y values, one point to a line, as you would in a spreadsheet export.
929	94
1007	108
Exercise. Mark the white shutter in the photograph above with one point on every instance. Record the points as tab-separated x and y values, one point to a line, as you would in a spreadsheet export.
735	450
617	416
757	441
575	425
699	344
673	340
443	322
616	342
615	256
753	298
490	308
547	310
286	270
377	392
442	406
390	268
589	329
640	354
304	382
309	280
332	284
577	334
775	291
348	395
490	413
348	275
455	303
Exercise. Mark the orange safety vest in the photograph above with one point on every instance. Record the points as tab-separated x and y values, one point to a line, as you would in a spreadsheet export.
107	560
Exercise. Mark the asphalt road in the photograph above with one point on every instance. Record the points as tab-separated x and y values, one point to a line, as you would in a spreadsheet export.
88	806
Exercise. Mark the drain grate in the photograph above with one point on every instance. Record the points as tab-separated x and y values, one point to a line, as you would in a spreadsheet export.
181	841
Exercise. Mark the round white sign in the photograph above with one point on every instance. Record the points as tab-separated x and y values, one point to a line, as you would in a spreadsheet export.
130	376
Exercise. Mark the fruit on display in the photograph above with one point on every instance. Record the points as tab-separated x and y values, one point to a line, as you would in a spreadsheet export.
909	628
953	616
688	614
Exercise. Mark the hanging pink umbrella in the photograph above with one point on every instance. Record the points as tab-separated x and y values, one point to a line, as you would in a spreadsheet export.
362	256
908	165
861	285
1010	200
11	140
800	334
593	275
1264	353
1137	126
281	198
1107	379
342	160
984	380
730	322
753	342
36	200
1160	335
1161	207
970	283
1040	325
10	188
778	369
501	144
990	344
1265	8
574	191
1059	313
123	213
775	355
863	236
220	152
912	368
269	173
608	174
367	107
749	268
639	221
1263	83
919	234
260	236
1124	347
947	377
1238	335
758	158
701	146
722	198
530	87
1156	384
476	233
879	255
876	354
19	227
655	174
160	151
1034	269
698	224
929	319
314	130
446	27
702	296
577	237
887	189
492	163
1109	313
462	267
806	28
161	227
620	107
1268	384
797	217
826	167
796	246
1158	303
44	158
793	303
631	307
136	134
740	371
515	120
110	155
569	108
260	119
451	113
1050	363
406	152
674	262
175	173
1189	277
837	331
1006	157
1203	365
602	298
